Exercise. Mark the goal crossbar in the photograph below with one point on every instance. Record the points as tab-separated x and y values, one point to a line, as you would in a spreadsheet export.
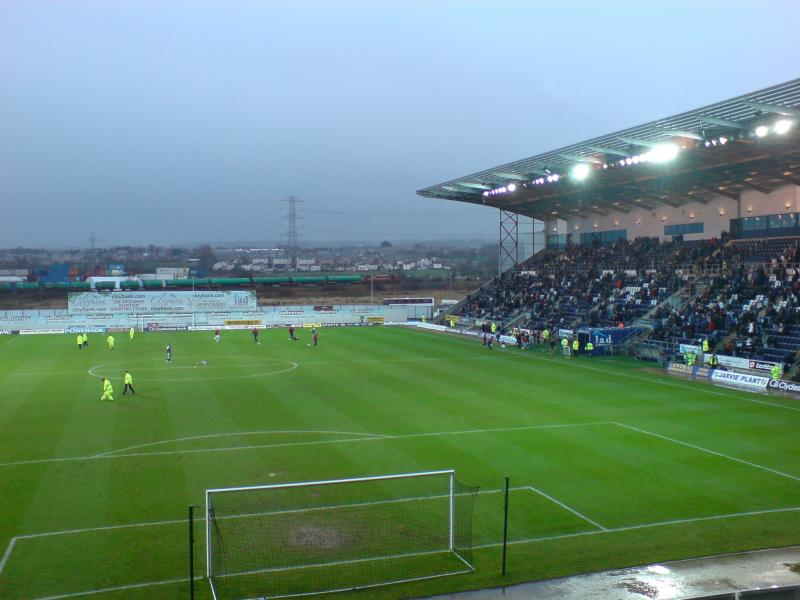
450	546
330	481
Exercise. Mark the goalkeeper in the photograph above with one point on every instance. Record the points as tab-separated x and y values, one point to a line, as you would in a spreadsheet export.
108	390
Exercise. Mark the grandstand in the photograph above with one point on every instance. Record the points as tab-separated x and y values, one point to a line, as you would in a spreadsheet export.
399	457
686	227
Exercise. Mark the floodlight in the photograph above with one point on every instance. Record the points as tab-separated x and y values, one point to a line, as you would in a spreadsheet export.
663	153
723	140
580	172
512	187
762	130
782	126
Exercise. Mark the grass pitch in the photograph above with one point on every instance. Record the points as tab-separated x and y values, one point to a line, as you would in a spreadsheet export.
611	464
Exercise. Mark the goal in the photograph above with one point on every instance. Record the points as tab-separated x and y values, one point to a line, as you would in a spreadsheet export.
297	539
164	321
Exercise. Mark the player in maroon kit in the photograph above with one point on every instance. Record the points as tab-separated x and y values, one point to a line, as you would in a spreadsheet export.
292	336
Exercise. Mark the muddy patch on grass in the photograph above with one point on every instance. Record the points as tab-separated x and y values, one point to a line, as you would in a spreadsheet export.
317	538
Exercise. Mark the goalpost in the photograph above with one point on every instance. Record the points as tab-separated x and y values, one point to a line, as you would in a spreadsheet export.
297	539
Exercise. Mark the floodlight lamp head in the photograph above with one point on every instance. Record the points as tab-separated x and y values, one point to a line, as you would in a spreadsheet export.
663	153
580	172
762	130
782	126
512	187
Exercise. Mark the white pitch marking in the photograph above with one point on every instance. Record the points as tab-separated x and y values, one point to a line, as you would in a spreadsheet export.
292	366
7	553
335	563
30	536
132	586
562	536
700	389
293	511
480	546
42	534
295	364
714	452
567	508
290	444
267	361
232	434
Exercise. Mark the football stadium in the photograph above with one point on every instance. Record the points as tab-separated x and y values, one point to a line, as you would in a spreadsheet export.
623	393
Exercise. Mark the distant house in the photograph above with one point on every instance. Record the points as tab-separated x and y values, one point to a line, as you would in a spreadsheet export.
305	264
281	264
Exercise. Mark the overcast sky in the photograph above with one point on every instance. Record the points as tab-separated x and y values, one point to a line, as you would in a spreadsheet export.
166	121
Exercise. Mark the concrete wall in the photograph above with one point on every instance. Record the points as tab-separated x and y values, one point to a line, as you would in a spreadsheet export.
715	215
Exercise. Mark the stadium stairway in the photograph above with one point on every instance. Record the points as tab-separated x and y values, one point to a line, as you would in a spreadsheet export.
451	310
675	301
730	336
517	320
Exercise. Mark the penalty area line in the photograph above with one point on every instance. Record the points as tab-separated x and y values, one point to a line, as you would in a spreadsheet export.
567	508
7	553
709	451
689	388
132	586
30	536
533	540
564	536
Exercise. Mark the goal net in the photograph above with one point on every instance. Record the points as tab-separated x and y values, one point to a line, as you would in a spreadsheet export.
165	321
296	539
